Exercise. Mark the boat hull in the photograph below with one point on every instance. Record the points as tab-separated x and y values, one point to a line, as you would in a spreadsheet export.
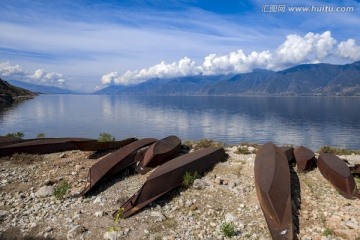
305	159
338	174
170	175
272	183
159	153
115	162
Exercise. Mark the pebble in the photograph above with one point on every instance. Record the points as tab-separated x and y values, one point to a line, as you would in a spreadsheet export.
44	191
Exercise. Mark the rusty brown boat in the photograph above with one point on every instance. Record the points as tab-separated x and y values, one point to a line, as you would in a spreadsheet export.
355	169
159	153
5	141
115	162
338	174
289	153
169	176
41	146
305	159
94	145
272	182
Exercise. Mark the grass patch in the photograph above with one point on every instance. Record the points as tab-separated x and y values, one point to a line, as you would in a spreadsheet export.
106	137
15	134
203	143
189	179
228	229
23	158
243	150
61	189
336	151
327	232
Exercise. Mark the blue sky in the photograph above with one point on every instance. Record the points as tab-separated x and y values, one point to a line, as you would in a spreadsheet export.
87	45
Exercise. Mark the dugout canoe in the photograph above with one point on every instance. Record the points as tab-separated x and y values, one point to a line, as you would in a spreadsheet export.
338	174
169	176
273	189
305	159
41	146
115	162
159	153
94	145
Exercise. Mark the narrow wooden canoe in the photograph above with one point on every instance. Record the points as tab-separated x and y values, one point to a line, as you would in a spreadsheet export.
94	145
170	175
115	162
273	188
338	174
305	159
41	146
159	153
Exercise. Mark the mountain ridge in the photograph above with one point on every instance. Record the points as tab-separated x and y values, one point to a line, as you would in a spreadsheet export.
301	80
10	93
40	88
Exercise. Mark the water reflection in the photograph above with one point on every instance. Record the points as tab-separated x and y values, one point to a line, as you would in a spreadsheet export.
309	121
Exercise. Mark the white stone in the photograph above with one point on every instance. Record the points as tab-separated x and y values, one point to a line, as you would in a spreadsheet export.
352	225
200	184
99	214
229	217
3	214
44	191
98	199
112	235
158	215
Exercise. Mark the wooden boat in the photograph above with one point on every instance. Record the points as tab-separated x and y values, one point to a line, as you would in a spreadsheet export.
94	145
272	182
305	159
169	176
289	153
115	162
338	174
41	146
159	153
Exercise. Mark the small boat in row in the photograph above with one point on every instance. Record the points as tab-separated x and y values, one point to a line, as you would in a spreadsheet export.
169	176
338	174
115	162
159	153
272	183
305	159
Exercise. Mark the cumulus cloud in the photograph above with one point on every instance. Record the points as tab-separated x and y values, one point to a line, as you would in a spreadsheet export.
184	67
349	49
296	49
15	72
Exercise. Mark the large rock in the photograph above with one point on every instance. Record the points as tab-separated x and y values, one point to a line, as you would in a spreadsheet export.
45	191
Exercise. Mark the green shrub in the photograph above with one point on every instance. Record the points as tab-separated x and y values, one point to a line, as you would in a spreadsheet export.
61	190
327	232
189	178
16	134
228	229
106	137
243	150
41	135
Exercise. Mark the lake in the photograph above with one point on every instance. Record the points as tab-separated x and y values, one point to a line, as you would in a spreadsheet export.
308	121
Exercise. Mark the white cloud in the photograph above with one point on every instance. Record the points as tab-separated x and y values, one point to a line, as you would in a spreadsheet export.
40	76
311	47
349	49
185	67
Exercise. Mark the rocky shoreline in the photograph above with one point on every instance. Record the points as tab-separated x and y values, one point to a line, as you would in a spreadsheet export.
226	194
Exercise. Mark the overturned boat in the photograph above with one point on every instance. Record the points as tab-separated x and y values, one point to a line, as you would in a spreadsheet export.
159	153
94	145
305	159
5	141
41	146
272	182
115	162
338	174
169	176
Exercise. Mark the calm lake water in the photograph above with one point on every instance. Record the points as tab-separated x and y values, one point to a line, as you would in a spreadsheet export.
308	121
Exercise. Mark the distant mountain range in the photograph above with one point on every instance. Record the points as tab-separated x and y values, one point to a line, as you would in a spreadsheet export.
9	93
40	88
301	80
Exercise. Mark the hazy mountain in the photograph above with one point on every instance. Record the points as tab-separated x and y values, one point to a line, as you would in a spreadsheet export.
41	88
306	79
9	93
